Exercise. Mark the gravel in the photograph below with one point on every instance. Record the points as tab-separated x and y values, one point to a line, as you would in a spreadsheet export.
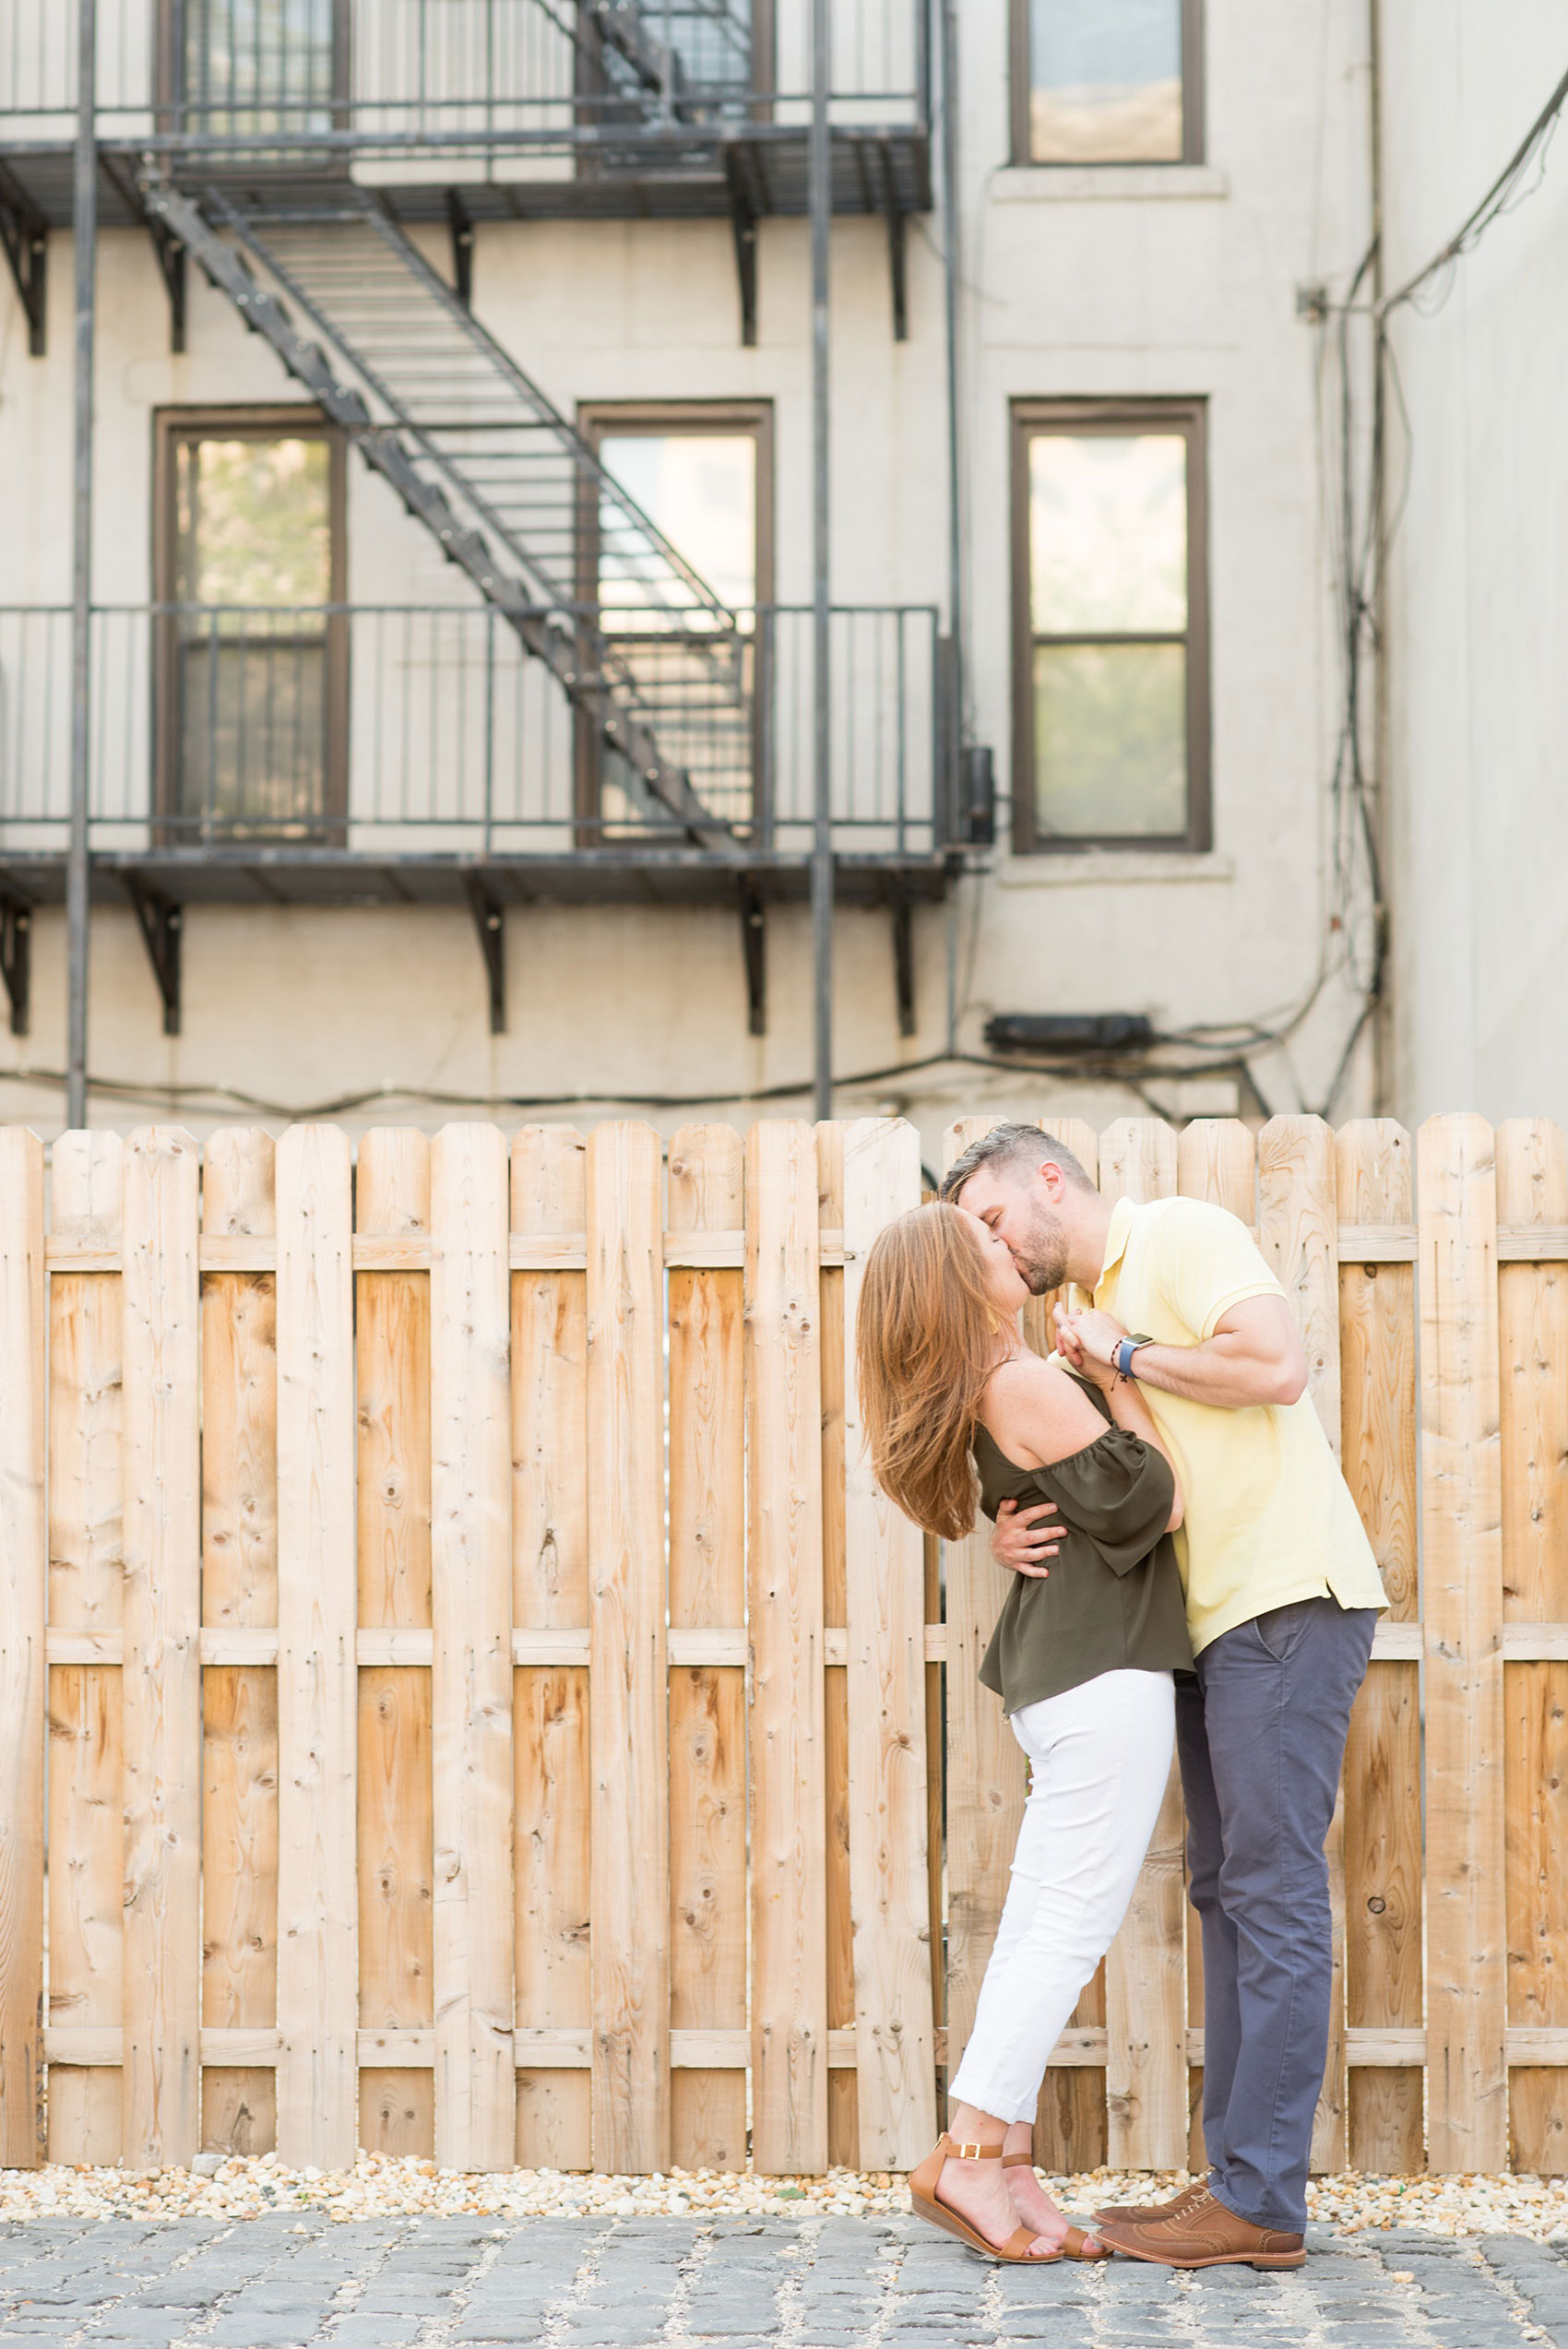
382	2185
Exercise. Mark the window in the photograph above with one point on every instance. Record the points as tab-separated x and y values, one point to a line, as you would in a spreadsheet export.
702	473
1107	81
246	65
1110	734
252	684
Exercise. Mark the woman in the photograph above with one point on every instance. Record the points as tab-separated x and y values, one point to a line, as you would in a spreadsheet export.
1082	1659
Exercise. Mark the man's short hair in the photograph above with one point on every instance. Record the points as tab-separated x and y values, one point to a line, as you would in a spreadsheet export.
1013	1153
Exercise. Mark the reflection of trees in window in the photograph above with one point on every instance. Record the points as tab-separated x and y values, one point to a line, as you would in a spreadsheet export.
1106	81
1113	718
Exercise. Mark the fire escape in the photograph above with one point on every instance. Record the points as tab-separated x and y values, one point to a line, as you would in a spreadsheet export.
289	171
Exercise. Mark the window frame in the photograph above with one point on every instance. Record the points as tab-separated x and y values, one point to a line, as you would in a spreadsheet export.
1193	125
249	420
1031	419
597	418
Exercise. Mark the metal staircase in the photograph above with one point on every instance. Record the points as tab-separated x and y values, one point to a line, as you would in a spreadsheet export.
656	665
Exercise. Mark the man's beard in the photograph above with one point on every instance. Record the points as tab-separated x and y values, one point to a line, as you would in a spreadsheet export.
1042	1257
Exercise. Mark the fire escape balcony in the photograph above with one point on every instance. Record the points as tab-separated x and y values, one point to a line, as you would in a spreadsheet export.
395	754
469	110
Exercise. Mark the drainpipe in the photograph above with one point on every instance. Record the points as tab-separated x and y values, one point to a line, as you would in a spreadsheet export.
820	192
85	230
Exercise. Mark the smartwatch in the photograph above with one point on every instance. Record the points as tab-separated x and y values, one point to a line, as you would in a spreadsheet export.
1126	1349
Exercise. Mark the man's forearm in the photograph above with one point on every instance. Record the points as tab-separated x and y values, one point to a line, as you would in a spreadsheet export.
1223	1371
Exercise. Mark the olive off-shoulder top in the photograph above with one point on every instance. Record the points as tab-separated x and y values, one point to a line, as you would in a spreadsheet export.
1112	1600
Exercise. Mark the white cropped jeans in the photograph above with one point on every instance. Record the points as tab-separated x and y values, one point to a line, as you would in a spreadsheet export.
1099	1760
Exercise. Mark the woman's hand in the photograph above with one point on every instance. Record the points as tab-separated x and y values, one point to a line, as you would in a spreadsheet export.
1089	1341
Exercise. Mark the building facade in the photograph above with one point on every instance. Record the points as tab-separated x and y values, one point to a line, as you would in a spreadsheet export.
453	559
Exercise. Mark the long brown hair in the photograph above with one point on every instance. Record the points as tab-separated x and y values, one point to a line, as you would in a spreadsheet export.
926	1341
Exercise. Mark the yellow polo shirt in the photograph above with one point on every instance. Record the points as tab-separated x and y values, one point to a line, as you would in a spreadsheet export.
1269	1517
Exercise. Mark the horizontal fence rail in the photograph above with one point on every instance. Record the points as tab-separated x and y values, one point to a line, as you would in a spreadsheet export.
465	74
486	1526
433	726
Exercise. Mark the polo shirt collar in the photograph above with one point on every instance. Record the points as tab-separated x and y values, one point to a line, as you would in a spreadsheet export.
1117	1237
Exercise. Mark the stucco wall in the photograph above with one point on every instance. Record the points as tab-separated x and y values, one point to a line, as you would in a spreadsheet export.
1116	283
1479	586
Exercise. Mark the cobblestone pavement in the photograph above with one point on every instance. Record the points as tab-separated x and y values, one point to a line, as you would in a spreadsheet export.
736	2283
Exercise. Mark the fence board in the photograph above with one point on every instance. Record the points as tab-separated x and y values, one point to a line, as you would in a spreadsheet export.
708	1703
1070	2119
1462	1593
1532	1190
1216	1159
1299	1228
476	2092
886	1593
554	1901
843	2101
317	1575
396	1835
627	1671
1383	1758
161	1683
784	1523
985	1764
1146	2073
238	1586
550	1589
86	1574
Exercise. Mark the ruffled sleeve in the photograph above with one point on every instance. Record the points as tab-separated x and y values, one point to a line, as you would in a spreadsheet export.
1118	1490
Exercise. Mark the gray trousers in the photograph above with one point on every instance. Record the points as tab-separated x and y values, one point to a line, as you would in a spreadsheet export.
1260	1729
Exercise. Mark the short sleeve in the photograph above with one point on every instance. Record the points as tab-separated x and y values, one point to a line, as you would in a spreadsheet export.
1205	1262
1118	1490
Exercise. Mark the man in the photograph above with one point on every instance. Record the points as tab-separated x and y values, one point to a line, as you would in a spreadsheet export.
1282	1593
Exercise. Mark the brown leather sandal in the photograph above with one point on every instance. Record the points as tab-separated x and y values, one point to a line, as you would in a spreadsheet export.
1074	2244
1015	2251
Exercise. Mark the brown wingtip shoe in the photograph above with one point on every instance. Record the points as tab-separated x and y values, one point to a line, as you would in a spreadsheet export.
1204	2234
1145	2214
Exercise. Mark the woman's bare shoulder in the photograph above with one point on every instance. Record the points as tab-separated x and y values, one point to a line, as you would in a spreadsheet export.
1036	1412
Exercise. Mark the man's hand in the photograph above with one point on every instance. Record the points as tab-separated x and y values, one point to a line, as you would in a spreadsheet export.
1021	1542
1089	1341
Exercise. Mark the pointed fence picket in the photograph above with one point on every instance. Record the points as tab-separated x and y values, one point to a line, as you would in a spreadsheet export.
492	1713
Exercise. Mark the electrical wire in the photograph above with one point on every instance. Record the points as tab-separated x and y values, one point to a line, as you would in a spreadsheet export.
1129	1072
1504	194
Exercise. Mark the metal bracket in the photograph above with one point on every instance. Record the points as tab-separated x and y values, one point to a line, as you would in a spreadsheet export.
459	220
904	962
16	957
23	232
754	949
491	933
743	224
168	251
161	922
895	211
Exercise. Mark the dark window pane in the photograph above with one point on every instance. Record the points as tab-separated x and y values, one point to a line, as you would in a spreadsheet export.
1108	533
1105	81
252	733
1110	740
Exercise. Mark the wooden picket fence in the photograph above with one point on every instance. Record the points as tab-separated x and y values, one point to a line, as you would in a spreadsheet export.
462	1692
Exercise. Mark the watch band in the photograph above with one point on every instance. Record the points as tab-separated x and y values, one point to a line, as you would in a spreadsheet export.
1126	1349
